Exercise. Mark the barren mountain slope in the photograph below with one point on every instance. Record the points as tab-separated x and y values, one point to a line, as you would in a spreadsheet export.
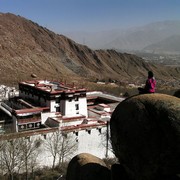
169	45
27	48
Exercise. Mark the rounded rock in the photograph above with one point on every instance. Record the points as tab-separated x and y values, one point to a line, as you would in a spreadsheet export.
145	135
86	166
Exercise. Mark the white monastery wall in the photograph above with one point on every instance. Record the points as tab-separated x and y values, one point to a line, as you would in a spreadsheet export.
93	141
83	106
69	108
53	106
44	116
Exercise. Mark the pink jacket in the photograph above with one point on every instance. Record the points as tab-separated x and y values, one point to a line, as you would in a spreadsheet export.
150	85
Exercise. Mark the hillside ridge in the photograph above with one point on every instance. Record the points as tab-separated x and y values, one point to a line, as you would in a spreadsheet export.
129	39
28	48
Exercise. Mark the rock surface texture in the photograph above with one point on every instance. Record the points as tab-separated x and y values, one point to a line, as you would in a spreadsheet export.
145	135
87	167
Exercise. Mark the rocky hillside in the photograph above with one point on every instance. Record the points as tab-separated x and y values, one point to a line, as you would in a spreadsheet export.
27	48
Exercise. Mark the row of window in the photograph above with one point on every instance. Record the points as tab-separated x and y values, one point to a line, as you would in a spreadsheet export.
29	126
58	109
70	100
32	95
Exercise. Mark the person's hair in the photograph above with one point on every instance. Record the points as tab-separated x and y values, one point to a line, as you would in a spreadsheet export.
150	74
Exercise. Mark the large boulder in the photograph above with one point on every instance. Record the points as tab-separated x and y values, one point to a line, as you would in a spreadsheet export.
87	167
177	93
145	135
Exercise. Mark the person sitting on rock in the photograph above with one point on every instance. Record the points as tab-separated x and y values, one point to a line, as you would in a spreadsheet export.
150	84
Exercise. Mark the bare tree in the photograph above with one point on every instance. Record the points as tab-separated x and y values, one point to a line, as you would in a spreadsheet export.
60	146
1	163
17	154
68	147
53	144
10	156
106	140
29	153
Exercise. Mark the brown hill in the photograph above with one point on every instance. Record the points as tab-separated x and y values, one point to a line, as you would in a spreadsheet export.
27	48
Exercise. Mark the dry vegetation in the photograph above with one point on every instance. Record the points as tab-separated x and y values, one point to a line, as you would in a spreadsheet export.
27	48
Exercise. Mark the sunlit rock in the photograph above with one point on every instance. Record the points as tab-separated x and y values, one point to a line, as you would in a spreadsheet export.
87	167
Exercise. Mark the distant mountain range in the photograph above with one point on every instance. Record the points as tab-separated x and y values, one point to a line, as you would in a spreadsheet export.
155	37
170	45
28	50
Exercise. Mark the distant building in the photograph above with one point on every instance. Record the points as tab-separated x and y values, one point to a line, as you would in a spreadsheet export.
38	100
43	107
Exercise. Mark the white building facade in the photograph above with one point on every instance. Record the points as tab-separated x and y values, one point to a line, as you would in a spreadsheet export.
44	107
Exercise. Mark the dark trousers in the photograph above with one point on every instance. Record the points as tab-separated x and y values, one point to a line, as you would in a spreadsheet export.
142	90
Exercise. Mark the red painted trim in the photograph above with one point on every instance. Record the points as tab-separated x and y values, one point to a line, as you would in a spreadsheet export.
31	110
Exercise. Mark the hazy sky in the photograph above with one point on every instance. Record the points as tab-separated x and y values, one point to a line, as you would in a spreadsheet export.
92	15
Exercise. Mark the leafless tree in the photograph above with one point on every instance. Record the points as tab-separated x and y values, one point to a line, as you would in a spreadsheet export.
1	163
10	156
53	144
106	140
68	146
29	154
17	154
60	146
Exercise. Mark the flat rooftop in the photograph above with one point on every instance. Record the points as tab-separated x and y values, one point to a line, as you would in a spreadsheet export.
52	86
